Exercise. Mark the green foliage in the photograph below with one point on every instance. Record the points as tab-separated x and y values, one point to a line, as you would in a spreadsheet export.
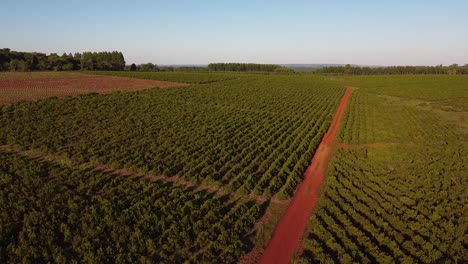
185	77
387	205
104	61
248	134
147	67
26	61
55	213
448	92
403	199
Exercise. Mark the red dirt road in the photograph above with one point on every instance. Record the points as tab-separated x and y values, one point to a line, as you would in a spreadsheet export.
13	89
293	222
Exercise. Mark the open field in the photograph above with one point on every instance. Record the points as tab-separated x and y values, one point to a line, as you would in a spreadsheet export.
39	85
204	173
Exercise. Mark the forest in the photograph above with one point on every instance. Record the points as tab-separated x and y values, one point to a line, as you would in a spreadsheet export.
34	61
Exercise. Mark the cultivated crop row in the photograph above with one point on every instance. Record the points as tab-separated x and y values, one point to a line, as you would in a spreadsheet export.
371	214
253	136
185	77
424	87
368	120
396	191
59	213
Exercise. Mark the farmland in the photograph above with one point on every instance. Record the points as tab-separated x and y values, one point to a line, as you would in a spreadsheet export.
80	213
396	187
204	172
184	77
39	85
251	136
247	138
266	132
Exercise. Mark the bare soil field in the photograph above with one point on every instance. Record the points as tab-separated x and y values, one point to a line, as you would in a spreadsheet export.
292	224
33	86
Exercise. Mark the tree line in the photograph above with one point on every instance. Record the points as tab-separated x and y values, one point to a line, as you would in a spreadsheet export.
247	67
357	70
233	67
34	61
150	67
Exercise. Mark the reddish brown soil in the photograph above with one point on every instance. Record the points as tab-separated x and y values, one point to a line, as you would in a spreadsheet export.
293	222
12	90
251	257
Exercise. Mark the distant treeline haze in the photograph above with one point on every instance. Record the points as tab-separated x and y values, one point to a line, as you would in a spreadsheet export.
114	61
247	67
356	70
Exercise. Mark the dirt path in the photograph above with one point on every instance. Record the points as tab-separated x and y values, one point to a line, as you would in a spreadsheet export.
292	224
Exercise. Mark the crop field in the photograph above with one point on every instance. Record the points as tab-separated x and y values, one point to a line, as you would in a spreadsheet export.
249	136
205	172
248	139
83	214
16	86
180	132
396	187
184	77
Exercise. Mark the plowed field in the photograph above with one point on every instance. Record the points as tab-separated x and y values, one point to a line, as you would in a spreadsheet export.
33	87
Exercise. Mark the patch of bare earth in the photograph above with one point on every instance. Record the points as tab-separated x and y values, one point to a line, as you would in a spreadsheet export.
13	89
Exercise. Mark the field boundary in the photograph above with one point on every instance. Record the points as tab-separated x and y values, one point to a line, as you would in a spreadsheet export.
37	154
292	225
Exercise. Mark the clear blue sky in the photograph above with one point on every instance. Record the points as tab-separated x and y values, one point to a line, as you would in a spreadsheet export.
378	32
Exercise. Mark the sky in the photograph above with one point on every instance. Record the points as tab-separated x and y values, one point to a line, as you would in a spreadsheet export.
378	32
